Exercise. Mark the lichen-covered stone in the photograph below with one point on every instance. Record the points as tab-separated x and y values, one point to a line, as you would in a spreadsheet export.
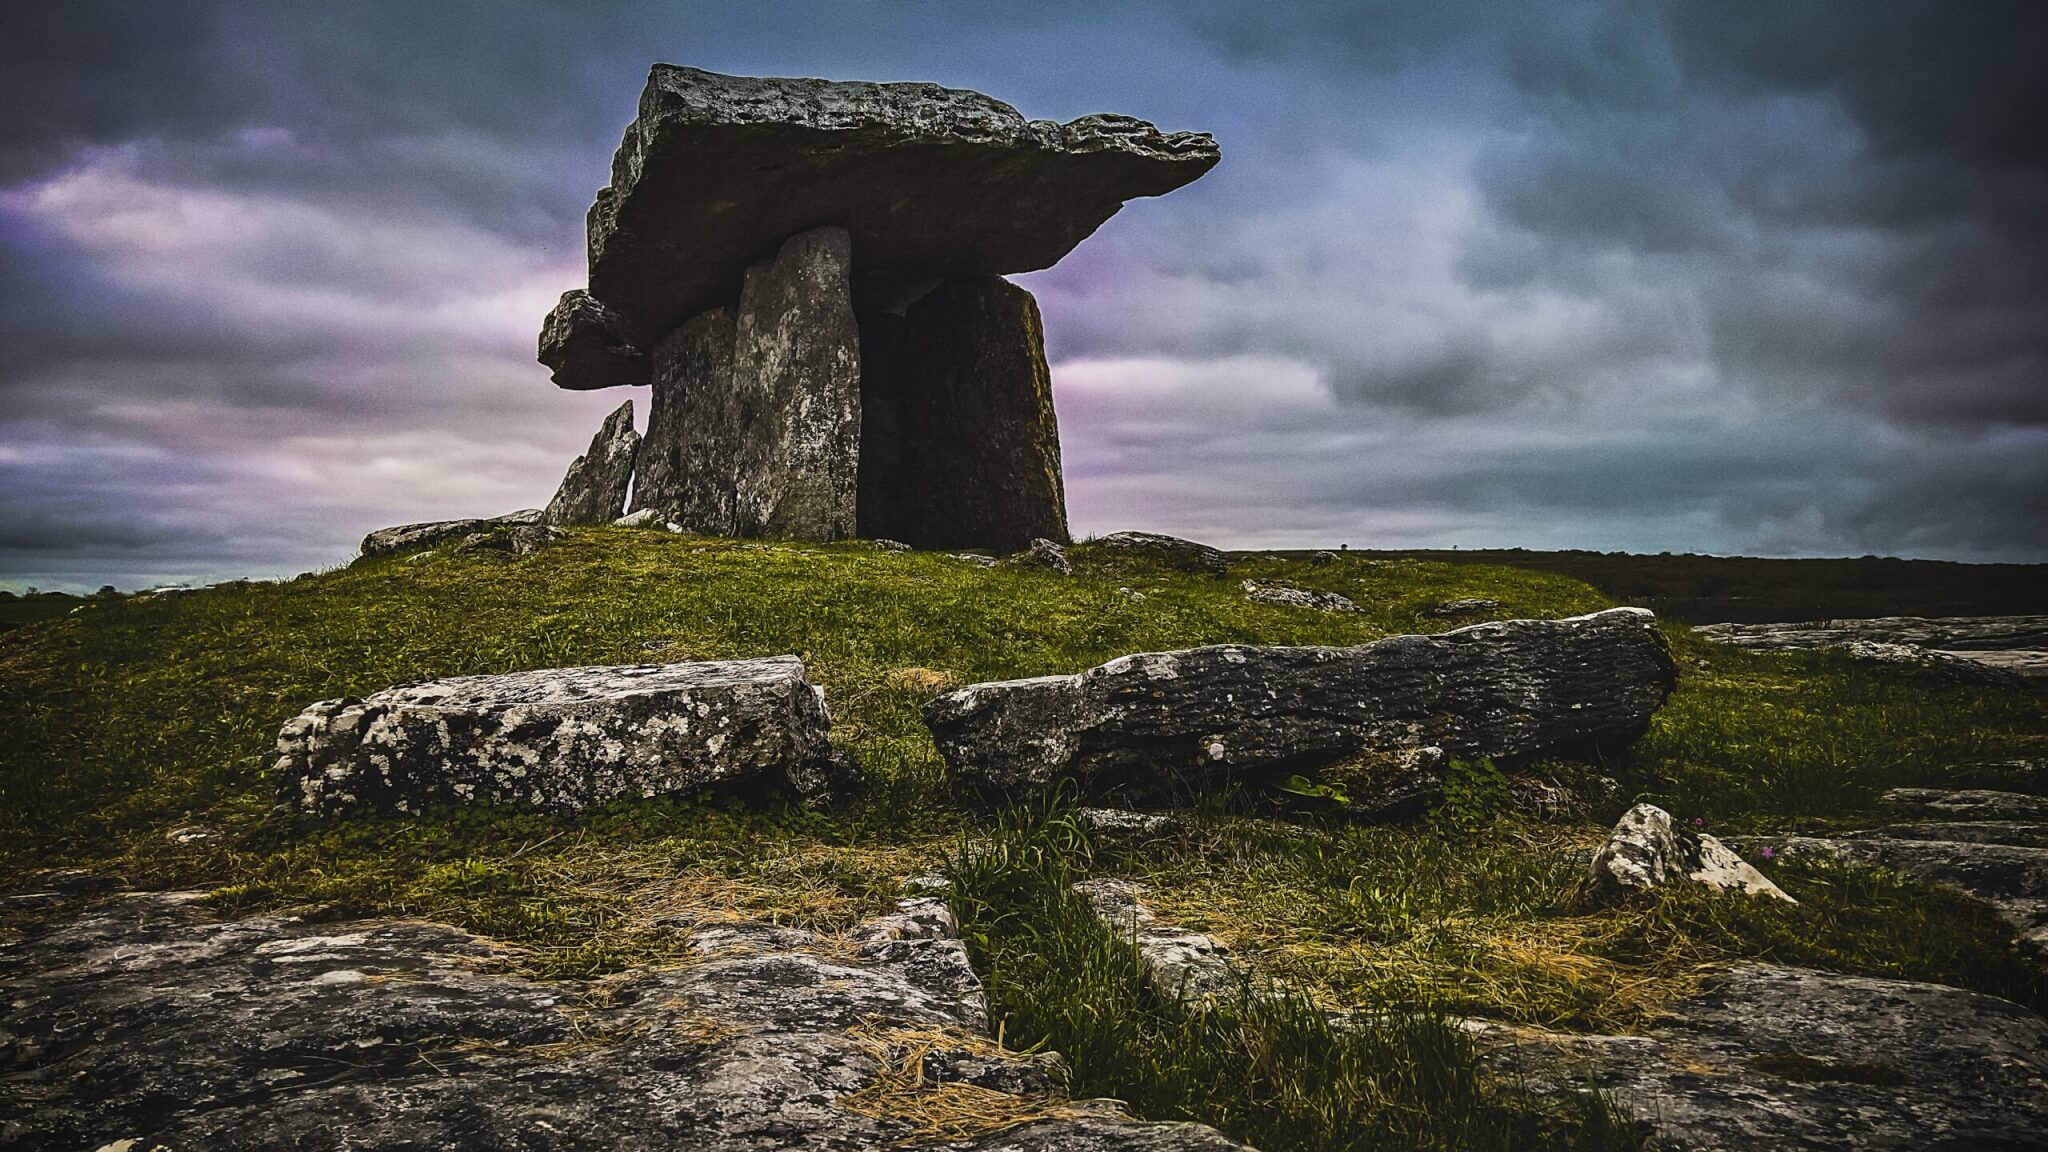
142	1023
796	384
1991	648
959	443
1514	688
1968	803
594	491
558	739
2012	878
930	182
1647	850
587	345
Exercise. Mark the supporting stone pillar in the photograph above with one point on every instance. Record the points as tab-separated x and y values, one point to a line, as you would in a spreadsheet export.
796	386
594	491
693	428
963	449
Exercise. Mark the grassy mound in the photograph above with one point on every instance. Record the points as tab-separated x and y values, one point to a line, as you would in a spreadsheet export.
138	744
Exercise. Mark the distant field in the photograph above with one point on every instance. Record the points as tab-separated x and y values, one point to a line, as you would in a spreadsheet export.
1746	590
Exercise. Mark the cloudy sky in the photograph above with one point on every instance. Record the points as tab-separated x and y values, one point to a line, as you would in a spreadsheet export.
1733	277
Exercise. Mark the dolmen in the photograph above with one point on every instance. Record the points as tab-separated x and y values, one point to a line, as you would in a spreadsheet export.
809	274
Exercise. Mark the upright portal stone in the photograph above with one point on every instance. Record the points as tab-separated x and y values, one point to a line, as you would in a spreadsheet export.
687	463
796	378
594	491
960	447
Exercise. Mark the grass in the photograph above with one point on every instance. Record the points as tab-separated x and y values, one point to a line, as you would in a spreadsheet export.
133	718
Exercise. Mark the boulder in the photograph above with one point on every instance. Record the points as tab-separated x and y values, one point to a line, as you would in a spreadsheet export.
558	739
587	345
1646	851
1770	1057
959	443
1291	597
929	182
518	539
1043	554
644	518
796	385
688	465
1510	689
142	1022
594	491
1167	551
407	538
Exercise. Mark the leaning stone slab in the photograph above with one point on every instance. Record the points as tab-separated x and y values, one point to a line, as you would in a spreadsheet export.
1646	851
1513	688
930	182
594	491
141	1022
587	345
558	739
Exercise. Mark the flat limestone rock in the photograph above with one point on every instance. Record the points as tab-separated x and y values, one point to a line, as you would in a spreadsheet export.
594	491
1775	1057
959	443
930	182
587	345
1180	964
1512	688
1169	551
1995	647
404	538
142	1023
796	383
2012	878
1969	803
558	739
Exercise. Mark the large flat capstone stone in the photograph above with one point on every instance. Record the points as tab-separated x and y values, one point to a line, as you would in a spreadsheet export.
716	171
558	739
1513	688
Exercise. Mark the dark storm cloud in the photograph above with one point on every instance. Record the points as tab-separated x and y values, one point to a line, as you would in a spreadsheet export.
1669	275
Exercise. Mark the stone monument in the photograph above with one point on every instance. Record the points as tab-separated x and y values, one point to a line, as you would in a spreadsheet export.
810	275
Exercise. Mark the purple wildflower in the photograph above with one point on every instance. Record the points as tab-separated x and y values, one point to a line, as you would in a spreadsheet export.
1699	822
1768	854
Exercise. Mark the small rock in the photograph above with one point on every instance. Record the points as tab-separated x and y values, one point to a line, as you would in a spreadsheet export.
1648	851
892	545
1170	551
1321	558
1471	606
1045	554
558	739
975	558
1122	821
520	540
191	834
1130	594
644	518
1297	597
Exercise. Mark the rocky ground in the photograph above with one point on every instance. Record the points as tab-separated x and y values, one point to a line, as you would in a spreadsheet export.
1404	947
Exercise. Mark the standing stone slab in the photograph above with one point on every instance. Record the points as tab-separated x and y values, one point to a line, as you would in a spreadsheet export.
796	379
688	463
1513	688
960	447
594	491
587	345
558	739
930	182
